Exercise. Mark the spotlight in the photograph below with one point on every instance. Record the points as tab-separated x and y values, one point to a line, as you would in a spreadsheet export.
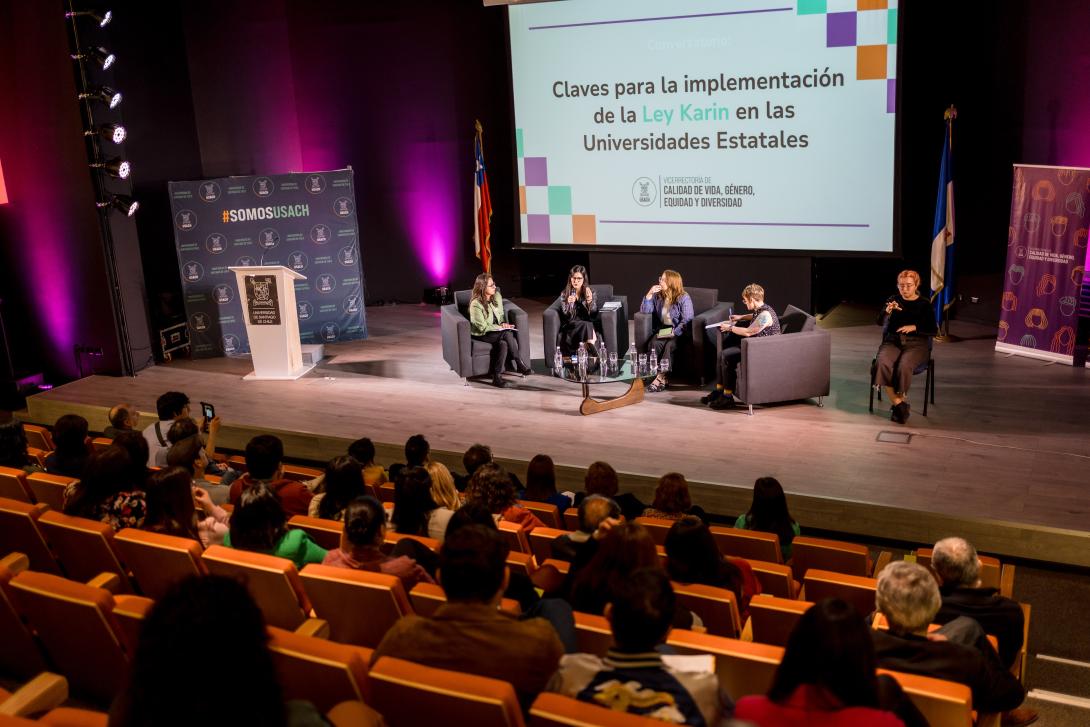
120	202
104	94
102	20
100	55
116	167
112	132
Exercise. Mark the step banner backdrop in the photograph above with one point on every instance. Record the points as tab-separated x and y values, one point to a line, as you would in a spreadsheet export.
306	222
1046	262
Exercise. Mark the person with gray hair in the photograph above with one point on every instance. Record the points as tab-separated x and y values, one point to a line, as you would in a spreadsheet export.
593	511
908	596
957	566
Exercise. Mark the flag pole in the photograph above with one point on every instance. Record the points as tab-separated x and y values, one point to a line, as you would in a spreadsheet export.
944	335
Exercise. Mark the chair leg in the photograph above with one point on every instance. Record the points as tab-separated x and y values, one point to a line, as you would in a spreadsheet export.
465	382
870	402
821	401
750	412
931	372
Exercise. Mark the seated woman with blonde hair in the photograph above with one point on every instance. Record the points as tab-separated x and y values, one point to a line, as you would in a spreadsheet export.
445	496
909	326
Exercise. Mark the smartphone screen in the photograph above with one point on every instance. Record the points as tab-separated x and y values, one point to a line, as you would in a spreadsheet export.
209	410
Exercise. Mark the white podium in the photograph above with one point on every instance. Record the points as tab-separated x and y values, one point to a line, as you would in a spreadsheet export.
267	293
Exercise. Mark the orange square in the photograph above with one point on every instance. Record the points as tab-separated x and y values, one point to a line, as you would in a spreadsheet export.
522	200
872	5
870	62
584	229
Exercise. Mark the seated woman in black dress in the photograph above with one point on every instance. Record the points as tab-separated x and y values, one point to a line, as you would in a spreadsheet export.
904	346
488	323
578	312
671	311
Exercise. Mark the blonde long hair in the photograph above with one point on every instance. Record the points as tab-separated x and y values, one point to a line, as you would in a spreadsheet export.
443	491
674	288
479	286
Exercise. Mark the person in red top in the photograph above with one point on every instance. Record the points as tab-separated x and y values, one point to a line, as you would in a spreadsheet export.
263	464
827	677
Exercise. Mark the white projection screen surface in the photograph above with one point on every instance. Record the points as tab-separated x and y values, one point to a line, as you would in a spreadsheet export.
729	124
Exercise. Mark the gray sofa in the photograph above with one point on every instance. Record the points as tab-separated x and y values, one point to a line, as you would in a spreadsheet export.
794	365
614	323
470	358
693	359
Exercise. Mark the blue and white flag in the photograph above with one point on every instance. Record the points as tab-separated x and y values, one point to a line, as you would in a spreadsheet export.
942	236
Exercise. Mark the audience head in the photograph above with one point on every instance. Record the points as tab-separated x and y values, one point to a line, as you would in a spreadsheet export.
186	454
672	493
831	648
170	508
471	513
641	610
601	479
594	509
137	447
491	485
363	451
956	562
13	445
753	293
364	523
343	482
172	405
412	501
123	417
473	565
259	521
907	596
476	456
182	429
70	436
160	689
443	491
623	550
768	511
416	451
103	477
263	457
694	557
540	478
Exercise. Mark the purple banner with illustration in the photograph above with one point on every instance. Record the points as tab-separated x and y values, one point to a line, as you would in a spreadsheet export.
1046	262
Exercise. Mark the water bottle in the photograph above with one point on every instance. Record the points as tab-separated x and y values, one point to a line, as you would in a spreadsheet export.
582	355
652	361
631	355
558	360
603	357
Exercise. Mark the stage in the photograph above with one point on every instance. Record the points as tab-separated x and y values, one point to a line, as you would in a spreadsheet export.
1003	457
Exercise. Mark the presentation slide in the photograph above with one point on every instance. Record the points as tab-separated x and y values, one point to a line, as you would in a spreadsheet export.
732	124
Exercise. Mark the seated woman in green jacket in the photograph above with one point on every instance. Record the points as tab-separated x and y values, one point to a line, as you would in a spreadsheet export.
488	323
768	514
259	524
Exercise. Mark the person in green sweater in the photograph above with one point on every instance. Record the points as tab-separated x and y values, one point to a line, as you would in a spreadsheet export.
768	514
488	324
260	524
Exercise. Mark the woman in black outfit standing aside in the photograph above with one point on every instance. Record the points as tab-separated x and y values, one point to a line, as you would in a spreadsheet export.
910	325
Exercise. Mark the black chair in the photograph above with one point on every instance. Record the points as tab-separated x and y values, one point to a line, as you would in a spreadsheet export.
471	358
613	324
692	358
928	382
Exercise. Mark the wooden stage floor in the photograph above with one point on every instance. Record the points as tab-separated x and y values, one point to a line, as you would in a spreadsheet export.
1003	457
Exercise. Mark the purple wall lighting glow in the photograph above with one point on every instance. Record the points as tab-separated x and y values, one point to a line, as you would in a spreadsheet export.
429	205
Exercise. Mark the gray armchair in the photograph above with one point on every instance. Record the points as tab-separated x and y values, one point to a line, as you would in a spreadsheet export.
793	365
470	358
692	359
613	323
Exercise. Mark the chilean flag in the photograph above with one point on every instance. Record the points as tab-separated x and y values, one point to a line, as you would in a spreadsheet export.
942	243
482	207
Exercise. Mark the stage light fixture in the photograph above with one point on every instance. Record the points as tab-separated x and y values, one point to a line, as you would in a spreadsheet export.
104	94
100	55
102	20
120	202
116	167
111	132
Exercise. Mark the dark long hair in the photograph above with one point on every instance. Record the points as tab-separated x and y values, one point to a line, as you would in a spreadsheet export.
103	477
831	648
412	501
170	508
624	550
693	557
768	511
137	447
343	483
568	289
363	521
540	478
479	285
672	494
70	440
259	521
13	445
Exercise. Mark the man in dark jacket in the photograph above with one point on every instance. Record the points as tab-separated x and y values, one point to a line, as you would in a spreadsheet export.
592	511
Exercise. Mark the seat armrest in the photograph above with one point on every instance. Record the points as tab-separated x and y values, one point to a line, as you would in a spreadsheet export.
642	331
883	559
714	314
1006	581
521	319
110	581
42	693
456	340
15	562
314	627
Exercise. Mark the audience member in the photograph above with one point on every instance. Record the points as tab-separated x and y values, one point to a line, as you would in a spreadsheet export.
341	484
579	545
468	633
634	677
417	451
70	452
957	565
519	586
361	545
189	455
259	523
363	451
492	485
959	651
768	514
672	499
601	479
827	677
445	496
200	619
170	406
185	428
415	512
692	556
137	447
541	483
122	418
104	492
13	448
172	503
474	457
264	455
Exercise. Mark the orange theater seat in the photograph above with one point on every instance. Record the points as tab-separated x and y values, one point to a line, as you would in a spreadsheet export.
556	710
657	526
426	598
360	606
856	590
941	702
49	489
13	485
19	653
716	607
571	518
541	542
38	437
326	533
319	671
101	444
84	548
273	582
773	619
776	579
158	561
515	536
834	555
546	512
19	533
743	667
592	633
748	544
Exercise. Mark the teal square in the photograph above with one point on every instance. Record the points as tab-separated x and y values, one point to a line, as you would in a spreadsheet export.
518	138
559	200
891	26
812	7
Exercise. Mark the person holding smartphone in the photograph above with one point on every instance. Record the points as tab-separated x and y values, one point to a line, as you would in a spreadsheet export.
762	321
488	323
578	312
910	323
671	310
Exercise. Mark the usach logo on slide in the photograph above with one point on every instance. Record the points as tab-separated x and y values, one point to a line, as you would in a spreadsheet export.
249	214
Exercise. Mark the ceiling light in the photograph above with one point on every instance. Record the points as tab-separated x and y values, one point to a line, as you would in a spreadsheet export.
117	167
105	94
120	202
112	132
102	20
100	55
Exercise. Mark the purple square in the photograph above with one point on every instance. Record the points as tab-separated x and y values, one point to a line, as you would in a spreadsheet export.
537	174
537	228
891	95
840	30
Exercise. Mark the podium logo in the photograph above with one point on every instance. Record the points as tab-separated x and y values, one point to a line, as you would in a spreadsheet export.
245	262
279	212
223	294
192	271
644	192
263	187
329	331
298	260
199	322
315	184
347	256
209	192
342	207
320	234
352	304
325	283
185	220
231	344
215	243
268	238
306	310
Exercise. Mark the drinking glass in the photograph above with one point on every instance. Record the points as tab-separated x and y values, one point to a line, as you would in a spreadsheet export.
643	362
613	361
